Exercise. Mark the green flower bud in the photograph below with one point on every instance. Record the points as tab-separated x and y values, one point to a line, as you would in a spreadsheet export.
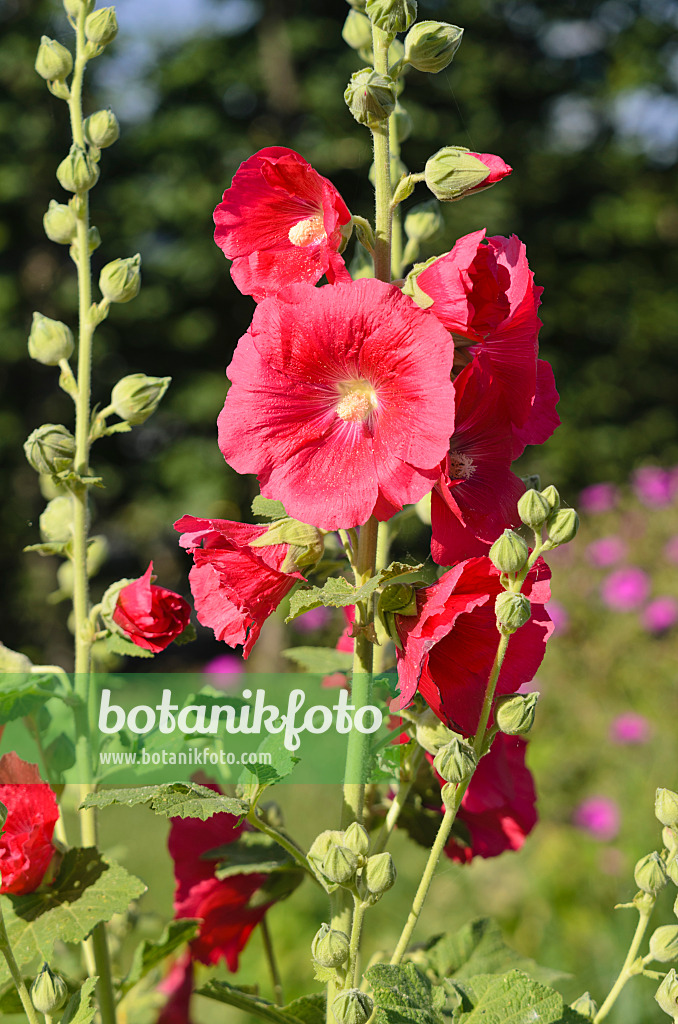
423	221
356	839
357	31
120	280
102	129
667	994
50	448
562	526
456	761
357	5
49	341
352	1007
56	522
431	45
512	611
514	713
97	553
430	732
378	875
452	171
330	947
65	578
60	223
664	944
77	173
666	808
370	97
306	543
48	991
322	844
533	509
402	123
650	874
672	867
53	62
391	16
101	26
552	496
136	397
585	1006
340	865
670	839
675	906
509	553
12	661
73	7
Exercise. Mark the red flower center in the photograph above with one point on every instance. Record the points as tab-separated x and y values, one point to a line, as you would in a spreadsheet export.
461	466
358	401
308	232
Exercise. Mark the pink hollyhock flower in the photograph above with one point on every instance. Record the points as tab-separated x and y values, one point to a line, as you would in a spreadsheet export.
475	498
225	671
497	167
625	589
559	617
280	222
660	614
341	402
654	485
448	648
498	810
32	812
599	816
599	498
151	617
309	622
235	586
606	551
630	728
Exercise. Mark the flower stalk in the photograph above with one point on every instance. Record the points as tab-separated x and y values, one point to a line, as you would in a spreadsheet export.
7	952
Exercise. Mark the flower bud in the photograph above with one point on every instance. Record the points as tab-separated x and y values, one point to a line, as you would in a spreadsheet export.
650	874
12	661
357	5
357	31
675	906
430	732
423	221
120	280
456	761
56	522
666	808
102	129
370	97
352	1007
50	448
48	991
670	839
585	1006
514	713
97	553
356	839
401	123
533	509
509	553
378	875
391	16
322	844
53	62
60	223
672	867
512	611
562	526
306	544
340	865
552	496
452	171
101	26
49	341
667	994
136	397
73	7
431	45
664	944
330	947
77	173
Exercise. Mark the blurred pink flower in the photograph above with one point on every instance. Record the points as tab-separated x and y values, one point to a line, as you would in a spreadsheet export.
660	614
226	670
599	816
317	618
630	728
625	589
598	498
654	485
606	551
559	616
671	549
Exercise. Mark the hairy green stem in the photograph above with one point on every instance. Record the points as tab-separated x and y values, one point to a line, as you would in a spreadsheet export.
399	801
276	980
282	840
7	952
632	955
359	909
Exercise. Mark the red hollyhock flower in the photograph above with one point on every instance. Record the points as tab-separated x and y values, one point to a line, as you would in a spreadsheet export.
498	170
235	587
484	294
498	809
178	987
341	402
26	840
280	222
449	646
151	617
475	498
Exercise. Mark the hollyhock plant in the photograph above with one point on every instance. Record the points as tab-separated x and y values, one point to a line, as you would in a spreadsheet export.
341	402
653	485
660	614
606	551
280	222
26	848
150	616
630	728
625	589
448	647
599	816
599	498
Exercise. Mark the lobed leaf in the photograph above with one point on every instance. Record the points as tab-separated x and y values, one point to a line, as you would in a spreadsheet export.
173	800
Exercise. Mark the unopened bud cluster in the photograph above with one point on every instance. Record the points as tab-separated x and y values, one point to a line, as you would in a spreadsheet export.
542	508
342	859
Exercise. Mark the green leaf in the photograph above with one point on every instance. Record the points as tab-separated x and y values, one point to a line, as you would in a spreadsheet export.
309	1009
322	660
52	547
268	509
149	954
117	644
306	1010
80	1008
252	853
188	636
86	890
339	593
21	696
174	800
512	998
280	763
402	994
